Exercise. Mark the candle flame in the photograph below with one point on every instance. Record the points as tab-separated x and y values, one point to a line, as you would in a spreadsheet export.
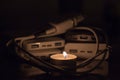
65	54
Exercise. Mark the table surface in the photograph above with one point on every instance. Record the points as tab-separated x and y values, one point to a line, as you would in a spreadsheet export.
50	77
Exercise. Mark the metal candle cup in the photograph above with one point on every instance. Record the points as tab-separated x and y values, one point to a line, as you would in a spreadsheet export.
67	62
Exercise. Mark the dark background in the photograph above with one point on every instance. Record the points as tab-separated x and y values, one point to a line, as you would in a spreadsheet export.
24	17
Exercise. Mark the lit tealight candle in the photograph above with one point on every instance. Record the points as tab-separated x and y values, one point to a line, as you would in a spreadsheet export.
63	56
66	61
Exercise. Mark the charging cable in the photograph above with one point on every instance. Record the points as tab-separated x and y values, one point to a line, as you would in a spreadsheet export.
84	63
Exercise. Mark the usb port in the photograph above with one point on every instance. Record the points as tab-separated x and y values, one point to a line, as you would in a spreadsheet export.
49	45
89	51
35	46
82	51
73	51
83	37
43	45
58	44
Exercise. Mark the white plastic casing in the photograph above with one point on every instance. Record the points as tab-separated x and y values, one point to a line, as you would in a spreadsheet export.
85	50
47	43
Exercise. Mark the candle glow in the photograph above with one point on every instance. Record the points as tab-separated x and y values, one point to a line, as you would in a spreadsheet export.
65	54
65	60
